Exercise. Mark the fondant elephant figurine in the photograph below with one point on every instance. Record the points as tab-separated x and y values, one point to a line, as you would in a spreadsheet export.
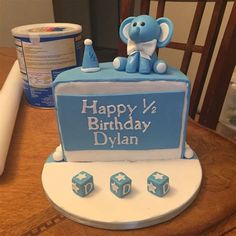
143	34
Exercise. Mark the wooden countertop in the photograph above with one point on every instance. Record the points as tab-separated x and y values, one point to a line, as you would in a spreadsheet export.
25	210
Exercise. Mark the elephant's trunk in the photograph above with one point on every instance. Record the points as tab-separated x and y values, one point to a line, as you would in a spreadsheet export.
134	34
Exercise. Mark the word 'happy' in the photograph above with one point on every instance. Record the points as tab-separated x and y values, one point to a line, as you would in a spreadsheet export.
108	110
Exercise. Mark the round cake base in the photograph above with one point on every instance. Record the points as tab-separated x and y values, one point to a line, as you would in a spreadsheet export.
102	209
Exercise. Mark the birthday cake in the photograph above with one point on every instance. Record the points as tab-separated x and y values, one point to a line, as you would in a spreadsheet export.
132	109
121	121
113	115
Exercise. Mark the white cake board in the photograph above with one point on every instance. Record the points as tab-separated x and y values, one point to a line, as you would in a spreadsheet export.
102	209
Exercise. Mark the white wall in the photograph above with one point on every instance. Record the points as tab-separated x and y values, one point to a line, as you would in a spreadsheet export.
22	12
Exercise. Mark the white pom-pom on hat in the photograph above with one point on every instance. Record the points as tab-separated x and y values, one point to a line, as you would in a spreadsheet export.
88	42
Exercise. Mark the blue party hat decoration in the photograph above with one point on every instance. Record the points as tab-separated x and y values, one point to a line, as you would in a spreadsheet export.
90	61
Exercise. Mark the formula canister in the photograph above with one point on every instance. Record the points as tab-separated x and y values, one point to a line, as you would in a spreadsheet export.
44	51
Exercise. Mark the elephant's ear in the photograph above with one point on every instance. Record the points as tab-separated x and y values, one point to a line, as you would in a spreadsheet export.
166	26
124	29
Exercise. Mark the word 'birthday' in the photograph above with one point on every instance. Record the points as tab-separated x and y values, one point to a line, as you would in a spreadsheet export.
96	124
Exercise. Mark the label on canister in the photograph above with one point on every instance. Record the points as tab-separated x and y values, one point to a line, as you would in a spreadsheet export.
44	51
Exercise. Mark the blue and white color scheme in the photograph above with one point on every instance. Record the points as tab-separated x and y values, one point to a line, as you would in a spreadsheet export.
113	115
158	184
143	34
90	61
120	184
82	184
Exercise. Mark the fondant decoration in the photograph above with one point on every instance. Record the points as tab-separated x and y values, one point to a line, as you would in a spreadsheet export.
138	209
188	153
158	184
90	61
120	184
82	184
58	155
110	116
143	34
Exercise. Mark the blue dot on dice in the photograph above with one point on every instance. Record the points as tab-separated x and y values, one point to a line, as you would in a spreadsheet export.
120	184
158	184
82	184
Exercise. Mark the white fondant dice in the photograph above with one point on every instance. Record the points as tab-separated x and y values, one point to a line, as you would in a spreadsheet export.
82	184
120	184
158	184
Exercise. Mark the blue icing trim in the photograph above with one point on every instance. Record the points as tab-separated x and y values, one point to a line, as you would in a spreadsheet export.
108	73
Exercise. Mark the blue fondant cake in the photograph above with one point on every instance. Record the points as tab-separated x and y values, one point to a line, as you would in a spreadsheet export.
113	115
132	109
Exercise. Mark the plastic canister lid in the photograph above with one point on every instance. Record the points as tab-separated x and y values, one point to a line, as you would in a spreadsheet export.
46	30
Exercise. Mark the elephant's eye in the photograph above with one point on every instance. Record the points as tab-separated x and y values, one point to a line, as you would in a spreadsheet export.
142	23
135	23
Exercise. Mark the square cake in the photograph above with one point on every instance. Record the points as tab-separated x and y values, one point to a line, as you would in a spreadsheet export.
112	115
122	126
